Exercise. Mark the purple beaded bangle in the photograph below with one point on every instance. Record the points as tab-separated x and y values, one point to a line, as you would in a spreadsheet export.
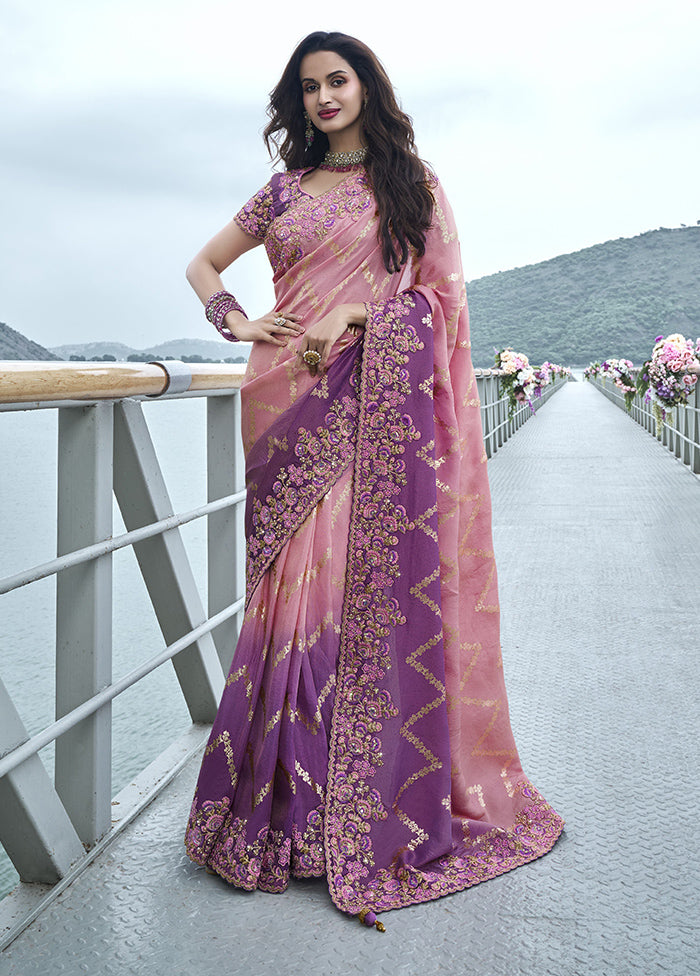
216	310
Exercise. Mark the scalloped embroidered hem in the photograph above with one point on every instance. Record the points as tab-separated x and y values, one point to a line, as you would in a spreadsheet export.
534	833
271	886
274	884
218	841
271	861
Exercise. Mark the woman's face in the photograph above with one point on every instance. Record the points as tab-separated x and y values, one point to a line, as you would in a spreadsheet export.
333	97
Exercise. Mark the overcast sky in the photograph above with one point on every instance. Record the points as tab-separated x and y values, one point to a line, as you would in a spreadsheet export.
131	133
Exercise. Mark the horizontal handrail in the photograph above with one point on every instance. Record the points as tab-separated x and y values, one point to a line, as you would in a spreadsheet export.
98	549
27	382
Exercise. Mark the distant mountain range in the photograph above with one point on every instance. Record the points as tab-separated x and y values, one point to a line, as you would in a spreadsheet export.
612	299
210	350
609	300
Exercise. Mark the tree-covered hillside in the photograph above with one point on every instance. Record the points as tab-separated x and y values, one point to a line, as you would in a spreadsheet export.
609	300
14	345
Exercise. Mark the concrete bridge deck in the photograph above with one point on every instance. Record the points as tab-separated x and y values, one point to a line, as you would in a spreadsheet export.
597	529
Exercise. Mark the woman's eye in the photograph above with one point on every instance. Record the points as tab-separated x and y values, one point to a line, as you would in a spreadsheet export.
309	88
338	82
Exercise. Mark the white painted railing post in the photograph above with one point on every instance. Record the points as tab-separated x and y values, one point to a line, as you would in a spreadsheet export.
35	829
694	461
225	529
84	616
143	499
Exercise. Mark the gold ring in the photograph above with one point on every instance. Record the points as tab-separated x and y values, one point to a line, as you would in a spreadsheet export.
312	357
280	321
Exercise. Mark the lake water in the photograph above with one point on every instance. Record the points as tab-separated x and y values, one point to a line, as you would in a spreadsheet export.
149	716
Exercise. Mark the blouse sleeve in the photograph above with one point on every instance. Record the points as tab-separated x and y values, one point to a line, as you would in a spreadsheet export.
256	216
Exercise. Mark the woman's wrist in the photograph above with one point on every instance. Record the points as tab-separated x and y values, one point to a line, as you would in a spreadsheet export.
355	314
231	322
218	306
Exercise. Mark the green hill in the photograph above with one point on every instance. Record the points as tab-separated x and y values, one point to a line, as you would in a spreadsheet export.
609	300
14	345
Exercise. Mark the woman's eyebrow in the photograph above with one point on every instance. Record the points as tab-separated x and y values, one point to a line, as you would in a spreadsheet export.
338	71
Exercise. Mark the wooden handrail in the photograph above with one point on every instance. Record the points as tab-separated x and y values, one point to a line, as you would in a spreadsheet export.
28	382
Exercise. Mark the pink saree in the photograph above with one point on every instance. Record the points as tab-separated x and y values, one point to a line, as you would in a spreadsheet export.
363	733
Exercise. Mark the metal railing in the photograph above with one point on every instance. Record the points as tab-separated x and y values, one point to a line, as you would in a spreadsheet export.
51	830
496	424
681	431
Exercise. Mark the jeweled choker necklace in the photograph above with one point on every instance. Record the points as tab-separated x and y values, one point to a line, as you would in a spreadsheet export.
344	160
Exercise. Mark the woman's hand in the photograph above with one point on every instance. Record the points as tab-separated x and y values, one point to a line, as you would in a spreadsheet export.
322	336
275	327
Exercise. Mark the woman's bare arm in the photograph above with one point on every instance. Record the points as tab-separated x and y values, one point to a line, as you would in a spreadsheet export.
204	274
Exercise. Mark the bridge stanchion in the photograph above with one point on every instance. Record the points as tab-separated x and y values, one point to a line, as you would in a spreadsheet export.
694	461
685	445
679	434
489	417
502	420
84	616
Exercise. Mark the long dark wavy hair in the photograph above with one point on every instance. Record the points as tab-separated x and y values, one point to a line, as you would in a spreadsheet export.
398	177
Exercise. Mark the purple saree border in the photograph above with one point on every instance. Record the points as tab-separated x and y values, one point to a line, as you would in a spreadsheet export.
370	814
390	838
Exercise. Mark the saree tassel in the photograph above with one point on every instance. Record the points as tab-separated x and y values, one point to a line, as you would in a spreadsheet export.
368	918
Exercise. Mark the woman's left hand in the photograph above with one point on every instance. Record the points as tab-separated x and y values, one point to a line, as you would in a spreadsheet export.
322	336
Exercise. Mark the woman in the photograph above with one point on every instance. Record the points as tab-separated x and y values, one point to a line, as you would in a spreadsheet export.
363	733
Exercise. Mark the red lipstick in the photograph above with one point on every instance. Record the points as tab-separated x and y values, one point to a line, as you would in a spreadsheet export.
328	113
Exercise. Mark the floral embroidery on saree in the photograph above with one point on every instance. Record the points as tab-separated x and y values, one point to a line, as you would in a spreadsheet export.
499	850
215	837
254	218
285	485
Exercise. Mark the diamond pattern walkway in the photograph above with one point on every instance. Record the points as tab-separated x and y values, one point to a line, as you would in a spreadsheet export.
597	528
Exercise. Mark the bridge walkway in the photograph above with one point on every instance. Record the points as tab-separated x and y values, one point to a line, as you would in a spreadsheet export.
597	529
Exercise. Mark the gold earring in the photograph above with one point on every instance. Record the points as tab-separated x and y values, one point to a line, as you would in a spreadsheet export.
309	131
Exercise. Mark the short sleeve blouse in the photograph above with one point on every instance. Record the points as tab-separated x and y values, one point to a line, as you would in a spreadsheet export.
256	216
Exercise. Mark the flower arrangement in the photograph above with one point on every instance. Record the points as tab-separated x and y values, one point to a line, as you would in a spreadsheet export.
664	380
619	369
592	371
521	382
554	369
